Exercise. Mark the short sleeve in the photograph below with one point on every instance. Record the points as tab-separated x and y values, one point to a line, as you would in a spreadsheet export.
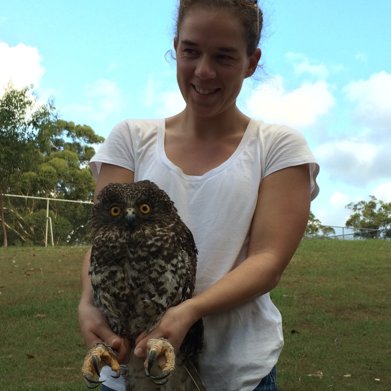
117	149
286	147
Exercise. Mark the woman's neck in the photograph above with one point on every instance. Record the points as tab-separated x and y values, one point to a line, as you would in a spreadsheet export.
198	145
210	128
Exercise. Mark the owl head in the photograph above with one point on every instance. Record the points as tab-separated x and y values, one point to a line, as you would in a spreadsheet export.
129	205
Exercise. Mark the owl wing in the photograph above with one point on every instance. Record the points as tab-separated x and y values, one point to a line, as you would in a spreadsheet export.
110	284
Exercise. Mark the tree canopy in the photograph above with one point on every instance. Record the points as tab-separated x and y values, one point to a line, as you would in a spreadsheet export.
316	229
370	219
43	156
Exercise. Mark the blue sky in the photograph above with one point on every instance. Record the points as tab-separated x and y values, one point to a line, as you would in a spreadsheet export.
326	70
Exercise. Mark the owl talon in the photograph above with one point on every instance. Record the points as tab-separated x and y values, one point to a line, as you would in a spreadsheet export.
163	350
97	357
91	383
95	363
157	379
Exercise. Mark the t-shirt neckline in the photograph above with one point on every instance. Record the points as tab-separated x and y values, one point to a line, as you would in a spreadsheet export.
214	171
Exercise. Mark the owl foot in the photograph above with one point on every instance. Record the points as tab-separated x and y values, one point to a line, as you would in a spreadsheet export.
162	351
97	357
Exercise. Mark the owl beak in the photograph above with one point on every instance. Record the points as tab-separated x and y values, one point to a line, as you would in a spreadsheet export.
130	216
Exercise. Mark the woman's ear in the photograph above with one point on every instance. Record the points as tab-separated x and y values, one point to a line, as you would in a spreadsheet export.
253	62
175	43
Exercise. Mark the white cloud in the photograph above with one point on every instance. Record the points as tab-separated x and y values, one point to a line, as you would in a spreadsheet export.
355	161
166	100
150	92
105	95
299	108
383	192
363	160
338	200
20	65
337	213
332	210
347	160
303	65
172	103
372	103
102	98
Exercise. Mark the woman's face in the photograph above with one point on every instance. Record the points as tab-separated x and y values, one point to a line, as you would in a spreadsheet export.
212	61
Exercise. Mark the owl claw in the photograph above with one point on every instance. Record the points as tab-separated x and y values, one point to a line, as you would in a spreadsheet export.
91	383
98	356
95	363
162	351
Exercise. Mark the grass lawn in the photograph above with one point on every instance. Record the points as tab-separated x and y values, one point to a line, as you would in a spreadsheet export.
41	347
335	301
334	298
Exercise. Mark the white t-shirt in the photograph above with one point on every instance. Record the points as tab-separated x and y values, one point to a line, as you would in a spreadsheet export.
243	344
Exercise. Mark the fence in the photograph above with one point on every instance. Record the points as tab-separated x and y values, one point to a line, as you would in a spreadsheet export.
348	233
42	221
36	220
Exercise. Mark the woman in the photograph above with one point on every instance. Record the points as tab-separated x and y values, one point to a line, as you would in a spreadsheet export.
242	186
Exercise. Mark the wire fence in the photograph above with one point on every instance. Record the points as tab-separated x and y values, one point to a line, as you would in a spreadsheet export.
46	221
349	233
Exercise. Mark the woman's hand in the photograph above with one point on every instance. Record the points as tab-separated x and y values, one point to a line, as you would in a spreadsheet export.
173	326
94	329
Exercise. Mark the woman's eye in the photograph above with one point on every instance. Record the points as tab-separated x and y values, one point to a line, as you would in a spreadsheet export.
144	209
189	52
224	58
115	211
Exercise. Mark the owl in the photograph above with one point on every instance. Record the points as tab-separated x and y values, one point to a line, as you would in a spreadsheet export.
143	261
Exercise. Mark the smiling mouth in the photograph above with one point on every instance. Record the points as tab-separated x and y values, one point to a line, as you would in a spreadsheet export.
204	91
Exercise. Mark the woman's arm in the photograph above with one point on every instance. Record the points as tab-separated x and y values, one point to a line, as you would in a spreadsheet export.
93	325
278	225
277	228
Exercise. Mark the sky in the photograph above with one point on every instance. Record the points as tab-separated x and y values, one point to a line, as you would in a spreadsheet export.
325	70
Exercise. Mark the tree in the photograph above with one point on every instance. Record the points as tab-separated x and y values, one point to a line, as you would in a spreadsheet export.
316	229
371	219
45	157
66	149
20	119
63	135
61	170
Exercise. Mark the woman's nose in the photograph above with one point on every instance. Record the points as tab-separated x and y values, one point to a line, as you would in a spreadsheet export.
205	69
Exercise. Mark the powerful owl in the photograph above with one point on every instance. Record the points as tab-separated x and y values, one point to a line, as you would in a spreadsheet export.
143	261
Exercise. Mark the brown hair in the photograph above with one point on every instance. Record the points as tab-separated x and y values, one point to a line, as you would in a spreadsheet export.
247	11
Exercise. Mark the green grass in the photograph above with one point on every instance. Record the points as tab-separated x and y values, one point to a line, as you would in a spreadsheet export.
41	348
334	298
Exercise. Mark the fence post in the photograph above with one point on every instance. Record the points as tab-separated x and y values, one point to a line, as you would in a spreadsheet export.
47	222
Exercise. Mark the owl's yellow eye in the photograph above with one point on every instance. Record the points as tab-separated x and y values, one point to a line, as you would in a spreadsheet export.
115	211
144	209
